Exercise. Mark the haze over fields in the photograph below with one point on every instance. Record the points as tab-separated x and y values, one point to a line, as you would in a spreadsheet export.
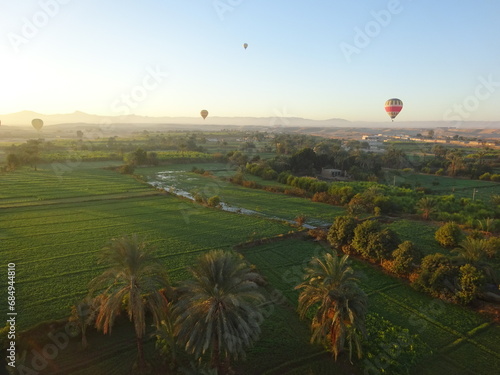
279	120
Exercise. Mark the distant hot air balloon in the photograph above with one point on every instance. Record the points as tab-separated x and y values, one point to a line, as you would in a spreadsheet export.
37	123
245	45
393	107
204	114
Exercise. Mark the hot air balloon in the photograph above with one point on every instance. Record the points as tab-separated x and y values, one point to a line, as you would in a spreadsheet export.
204	114
245	45
393	107
37	123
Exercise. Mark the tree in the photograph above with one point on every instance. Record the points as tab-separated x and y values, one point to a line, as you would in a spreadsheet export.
133	279
83	314
448	235
341	232
362	233
405	258
456	162
472	250
470	283
303	161
426	206
374	242
12	162
437	276
138	157
332	293
218	311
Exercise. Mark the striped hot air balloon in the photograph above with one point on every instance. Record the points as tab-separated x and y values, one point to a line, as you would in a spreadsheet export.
393	107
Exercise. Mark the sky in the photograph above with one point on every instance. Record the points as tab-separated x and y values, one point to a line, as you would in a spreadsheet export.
317	59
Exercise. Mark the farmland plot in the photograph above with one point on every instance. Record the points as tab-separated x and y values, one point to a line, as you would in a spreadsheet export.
54	247
449	330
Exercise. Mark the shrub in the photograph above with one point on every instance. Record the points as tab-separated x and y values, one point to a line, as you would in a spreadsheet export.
214	201
493	247
485	176
470	284
300	219
495	177
126	169
318	234
448	235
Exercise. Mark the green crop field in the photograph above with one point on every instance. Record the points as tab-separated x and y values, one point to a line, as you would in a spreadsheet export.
54	245
420	233
455	335
266	203
444	185
51	181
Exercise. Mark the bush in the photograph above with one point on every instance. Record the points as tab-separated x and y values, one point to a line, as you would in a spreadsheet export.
470	283
318	234
493	247
495	177
126	169
300	219
485	176
214	201
448	235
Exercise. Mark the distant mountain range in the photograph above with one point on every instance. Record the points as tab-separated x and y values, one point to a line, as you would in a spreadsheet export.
25	117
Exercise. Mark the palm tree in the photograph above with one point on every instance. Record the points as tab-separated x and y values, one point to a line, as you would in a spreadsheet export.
472	250
427	206
83	314
218	310
134	279
331	291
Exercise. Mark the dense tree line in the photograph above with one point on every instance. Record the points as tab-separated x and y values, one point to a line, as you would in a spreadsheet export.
461	278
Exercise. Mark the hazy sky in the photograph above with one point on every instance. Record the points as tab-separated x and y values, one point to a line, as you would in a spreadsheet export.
314	59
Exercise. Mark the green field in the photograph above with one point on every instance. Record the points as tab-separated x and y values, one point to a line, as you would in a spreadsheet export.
50	181
443	185
264	202
448	329
58	241
54	224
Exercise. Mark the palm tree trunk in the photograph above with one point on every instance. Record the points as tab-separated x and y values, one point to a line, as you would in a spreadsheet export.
140	355
215	357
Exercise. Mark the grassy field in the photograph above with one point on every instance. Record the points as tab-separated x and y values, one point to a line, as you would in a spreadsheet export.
444	185
48	182
53	225
420	233
266	203
456	336
59	241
